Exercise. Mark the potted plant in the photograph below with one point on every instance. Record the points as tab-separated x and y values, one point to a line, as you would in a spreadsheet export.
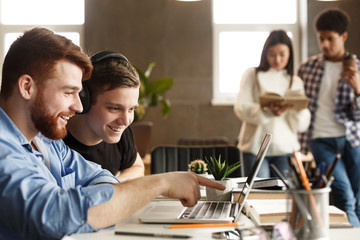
150	95
220	170
198	166
151	92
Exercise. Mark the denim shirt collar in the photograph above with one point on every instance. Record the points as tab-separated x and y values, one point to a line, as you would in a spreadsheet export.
8	126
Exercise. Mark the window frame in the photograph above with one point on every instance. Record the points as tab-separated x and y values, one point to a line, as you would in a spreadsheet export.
299	44
20	28
5	29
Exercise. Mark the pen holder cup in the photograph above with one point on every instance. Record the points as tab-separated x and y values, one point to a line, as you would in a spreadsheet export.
308	213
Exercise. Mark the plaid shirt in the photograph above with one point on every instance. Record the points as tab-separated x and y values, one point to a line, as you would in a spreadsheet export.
347	105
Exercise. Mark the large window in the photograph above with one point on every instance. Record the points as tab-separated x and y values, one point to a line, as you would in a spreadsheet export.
65	17
240	29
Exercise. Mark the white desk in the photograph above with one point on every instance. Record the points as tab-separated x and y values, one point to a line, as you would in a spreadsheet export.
132	224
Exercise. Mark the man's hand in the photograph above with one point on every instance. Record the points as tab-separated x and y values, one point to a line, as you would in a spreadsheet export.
351	74
185	186
132	195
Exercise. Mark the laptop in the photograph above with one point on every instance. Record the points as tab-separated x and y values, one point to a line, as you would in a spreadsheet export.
207	211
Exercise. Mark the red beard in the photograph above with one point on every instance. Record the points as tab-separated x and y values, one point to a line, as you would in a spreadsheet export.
46	123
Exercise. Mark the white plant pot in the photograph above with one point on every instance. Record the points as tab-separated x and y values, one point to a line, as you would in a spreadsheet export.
218	195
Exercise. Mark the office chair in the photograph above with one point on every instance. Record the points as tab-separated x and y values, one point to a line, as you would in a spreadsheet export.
176	158
217	140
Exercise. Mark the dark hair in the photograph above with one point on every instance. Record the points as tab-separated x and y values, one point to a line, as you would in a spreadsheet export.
276	37
109	74
332	19
36	53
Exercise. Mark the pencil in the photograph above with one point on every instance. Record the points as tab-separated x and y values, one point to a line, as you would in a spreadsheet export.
330	170
156	235
202	225
303	176
306	185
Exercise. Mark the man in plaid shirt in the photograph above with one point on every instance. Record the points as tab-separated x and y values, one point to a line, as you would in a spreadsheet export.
334	92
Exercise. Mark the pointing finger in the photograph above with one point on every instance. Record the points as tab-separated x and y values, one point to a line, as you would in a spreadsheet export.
210	183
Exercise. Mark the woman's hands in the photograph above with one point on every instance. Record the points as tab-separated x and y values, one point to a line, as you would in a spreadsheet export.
277	109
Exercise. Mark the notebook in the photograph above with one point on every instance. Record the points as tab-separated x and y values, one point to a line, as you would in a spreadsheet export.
206	211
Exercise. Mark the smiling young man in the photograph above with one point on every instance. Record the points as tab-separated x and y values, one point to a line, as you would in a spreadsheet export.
48	190
102	134
335	108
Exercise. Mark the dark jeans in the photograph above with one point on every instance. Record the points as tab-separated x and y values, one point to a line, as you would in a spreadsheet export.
345	190
280	162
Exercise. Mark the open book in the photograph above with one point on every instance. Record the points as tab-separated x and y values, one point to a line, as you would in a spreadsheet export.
271	211
264	183
295	99
261	194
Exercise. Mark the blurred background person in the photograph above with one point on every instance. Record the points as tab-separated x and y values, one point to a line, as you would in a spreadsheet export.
275	73
334	90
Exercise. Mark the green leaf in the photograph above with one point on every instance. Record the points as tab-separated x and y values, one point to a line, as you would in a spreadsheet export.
218	162
232	168
153	100
161	85
165	109
142	76
151	92
149	69
219	169
222	173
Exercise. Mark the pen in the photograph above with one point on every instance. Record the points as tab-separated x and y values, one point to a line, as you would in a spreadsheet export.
202	225
330	169
321	168
328	184
299	202
278	173
297	199
158	235
294	172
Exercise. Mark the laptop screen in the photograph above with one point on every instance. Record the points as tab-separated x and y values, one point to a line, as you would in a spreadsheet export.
254	170
259	159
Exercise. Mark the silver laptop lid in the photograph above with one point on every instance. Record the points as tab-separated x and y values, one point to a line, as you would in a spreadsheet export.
254	171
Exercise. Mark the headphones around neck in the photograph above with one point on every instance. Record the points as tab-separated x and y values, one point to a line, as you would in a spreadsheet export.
85	94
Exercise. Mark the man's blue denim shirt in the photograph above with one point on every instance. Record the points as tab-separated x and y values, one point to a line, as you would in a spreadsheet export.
46	202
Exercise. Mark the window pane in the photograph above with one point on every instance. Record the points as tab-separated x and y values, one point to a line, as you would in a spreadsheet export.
254	11
237	52
11	37
42	12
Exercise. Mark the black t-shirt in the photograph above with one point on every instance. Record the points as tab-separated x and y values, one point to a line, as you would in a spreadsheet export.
114	157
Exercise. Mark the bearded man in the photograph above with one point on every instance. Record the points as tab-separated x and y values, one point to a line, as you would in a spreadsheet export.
48	190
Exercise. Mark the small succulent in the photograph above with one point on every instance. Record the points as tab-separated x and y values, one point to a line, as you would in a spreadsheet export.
198	166
219	169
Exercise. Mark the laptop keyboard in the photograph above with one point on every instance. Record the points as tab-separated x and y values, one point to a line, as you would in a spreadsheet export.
208	210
